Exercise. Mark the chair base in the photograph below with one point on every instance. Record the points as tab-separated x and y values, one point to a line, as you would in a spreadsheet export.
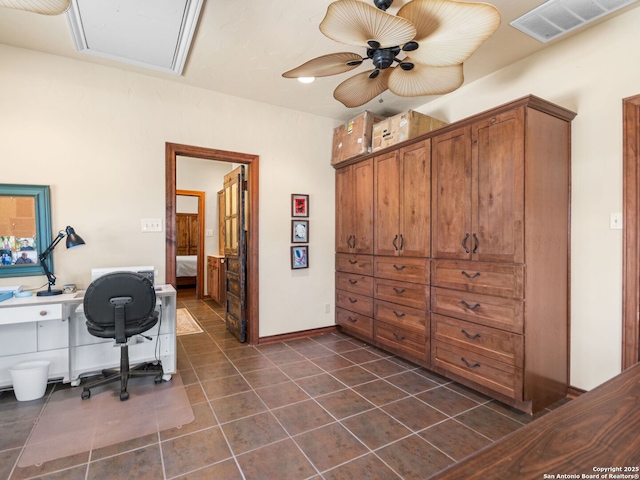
123	374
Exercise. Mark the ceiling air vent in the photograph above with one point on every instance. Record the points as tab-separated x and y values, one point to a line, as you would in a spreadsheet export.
557	17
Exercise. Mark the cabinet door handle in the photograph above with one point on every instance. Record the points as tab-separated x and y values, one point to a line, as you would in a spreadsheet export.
353	262
401	242
399	315
399	267
398	337
399	291
472	275
353	237
464	243
470	365
353	300
353	282
470	307
476	243
395	245
352	320
468	335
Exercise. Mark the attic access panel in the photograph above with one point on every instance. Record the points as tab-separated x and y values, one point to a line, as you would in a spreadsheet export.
153	34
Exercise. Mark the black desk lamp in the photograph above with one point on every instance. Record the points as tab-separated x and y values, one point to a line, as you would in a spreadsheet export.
73	240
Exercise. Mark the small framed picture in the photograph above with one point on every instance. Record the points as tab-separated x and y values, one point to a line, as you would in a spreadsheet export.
299	205
299	257
299	231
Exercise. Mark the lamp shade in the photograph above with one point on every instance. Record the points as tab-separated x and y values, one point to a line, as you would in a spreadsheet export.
73	239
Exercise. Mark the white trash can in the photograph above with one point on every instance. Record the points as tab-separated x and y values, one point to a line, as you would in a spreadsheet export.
30	379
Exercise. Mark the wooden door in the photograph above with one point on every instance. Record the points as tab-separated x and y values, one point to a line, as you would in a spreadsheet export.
235	253
345	213
387	181
498	208
451	195
415	200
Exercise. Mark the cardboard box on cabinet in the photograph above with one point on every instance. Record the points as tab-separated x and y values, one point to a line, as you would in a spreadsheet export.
401	127
353	138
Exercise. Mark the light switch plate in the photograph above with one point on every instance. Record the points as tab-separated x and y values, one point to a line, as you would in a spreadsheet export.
615	221
151	225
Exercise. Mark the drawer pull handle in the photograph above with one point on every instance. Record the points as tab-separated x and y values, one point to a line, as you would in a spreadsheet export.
353	300
353	262
464	243
399	267
473	275
399	337
468	335
399	291
470	307
43	313
399	315
470	365
352	320
353	282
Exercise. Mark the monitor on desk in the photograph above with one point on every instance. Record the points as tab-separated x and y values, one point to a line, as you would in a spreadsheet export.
147	270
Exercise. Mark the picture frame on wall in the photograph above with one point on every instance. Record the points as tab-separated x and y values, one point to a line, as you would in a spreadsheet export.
299	205
299	257
299	231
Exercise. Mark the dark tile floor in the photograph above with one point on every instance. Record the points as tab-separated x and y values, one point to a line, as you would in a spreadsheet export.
327	407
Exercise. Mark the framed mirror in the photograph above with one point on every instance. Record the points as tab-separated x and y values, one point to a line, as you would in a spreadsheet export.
25	229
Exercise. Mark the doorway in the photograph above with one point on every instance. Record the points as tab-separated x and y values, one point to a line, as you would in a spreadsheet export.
190	243
172	151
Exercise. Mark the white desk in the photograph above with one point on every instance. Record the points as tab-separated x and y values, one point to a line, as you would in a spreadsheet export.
53	328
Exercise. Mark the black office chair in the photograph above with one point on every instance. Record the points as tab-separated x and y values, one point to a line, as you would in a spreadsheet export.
120	305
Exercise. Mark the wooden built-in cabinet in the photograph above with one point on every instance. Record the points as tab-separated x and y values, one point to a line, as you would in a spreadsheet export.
469	273
354	220
216	278
187	233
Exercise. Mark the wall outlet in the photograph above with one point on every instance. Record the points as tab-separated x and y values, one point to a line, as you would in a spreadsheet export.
327	308
151	225
208	232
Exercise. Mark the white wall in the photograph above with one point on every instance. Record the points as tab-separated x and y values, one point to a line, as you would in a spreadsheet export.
589	74
97	136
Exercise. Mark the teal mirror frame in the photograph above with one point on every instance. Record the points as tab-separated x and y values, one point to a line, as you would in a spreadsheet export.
41	195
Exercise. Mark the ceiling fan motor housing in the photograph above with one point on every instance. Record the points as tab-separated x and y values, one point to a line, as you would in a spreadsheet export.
382	4
384	57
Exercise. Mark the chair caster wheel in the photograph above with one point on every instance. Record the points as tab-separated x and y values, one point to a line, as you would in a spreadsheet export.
85	394
157	379
124	396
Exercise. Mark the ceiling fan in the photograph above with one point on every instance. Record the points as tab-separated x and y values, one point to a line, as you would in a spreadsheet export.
44	7
434	38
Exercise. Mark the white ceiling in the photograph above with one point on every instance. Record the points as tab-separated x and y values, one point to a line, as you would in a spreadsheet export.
242	47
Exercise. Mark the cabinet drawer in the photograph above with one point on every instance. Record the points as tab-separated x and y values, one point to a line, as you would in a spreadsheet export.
503	313
407	341
31	313
490	342
353	283
355	323
410	294
406	317
498	376
354	303
479	277
359	264
404	269
18	338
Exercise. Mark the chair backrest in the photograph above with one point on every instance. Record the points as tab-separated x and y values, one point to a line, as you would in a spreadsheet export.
119	305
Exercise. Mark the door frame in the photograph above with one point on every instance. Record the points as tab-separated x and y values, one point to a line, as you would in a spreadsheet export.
172	151
631	234
200	251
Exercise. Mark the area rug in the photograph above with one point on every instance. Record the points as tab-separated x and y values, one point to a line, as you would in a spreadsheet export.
69	425
186	323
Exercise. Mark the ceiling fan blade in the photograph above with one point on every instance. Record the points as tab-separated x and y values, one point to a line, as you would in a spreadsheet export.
355	23
326	65
448	32
359	89
44	7
425	80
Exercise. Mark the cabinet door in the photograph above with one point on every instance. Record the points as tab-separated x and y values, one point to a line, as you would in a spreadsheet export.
354	208
415	209
387	178
451	195
498	209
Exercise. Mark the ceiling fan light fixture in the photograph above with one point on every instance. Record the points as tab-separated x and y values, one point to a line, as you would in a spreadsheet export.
43	7
306	79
